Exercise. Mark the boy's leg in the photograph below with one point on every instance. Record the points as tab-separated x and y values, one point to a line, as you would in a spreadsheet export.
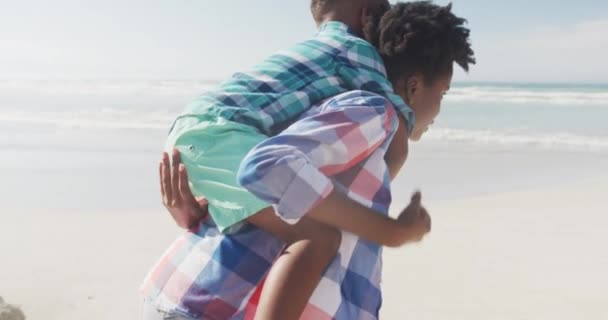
212	152
311	246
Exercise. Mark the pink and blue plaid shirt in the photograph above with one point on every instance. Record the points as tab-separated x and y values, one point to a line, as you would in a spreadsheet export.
339	144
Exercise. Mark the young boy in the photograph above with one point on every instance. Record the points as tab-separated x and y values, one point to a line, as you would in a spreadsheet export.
302	267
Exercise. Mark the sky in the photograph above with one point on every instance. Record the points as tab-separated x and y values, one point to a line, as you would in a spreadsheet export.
515	40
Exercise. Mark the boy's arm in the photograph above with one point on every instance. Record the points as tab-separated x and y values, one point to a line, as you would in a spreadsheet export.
361	68
397	152
291	169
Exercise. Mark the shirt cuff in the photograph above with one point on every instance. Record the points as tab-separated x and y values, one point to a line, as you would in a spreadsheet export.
303	193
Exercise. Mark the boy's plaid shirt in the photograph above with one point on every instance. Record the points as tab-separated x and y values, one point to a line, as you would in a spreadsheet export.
339	144
285	85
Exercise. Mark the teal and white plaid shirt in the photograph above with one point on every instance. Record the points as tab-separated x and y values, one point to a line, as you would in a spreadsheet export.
288	83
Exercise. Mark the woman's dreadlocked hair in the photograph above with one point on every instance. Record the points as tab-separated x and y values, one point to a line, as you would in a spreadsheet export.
418	37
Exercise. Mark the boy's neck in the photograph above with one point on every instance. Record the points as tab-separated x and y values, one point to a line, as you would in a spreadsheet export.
352	23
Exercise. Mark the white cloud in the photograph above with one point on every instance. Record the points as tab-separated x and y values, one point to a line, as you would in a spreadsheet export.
562	54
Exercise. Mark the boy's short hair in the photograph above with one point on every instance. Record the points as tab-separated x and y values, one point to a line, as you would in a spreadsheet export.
318	8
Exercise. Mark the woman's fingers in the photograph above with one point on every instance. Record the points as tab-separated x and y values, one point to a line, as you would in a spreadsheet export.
175	162
165	180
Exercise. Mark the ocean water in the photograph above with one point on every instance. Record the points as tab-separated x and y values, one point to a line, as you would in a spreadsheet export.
94	145
553	117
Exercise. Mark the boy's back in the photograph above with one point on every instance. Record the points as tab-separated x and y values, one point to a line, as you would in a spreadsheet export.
286	84
218	129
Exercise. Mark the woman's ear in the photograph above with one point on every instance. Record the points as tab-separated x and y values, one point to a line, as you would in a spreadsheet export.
412	85
407	88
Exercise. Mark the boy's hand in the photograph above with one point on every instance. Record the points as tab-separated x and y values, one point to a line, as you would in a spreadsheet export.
186	210
415	219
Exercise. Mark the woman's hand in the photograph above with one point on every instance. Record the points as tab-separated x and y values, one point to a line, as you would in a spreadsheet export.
186	210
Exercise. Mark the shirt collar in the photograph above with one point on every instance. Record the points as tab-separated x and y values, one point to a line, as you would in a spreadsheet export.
335	27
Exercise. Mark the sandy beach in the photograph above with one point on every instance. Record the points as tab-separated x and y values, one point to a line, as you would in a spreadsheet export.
535	254
532	254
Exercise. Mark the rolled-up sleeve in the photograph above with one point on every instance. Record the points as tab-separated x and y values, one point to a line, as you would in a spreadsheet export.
293	170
